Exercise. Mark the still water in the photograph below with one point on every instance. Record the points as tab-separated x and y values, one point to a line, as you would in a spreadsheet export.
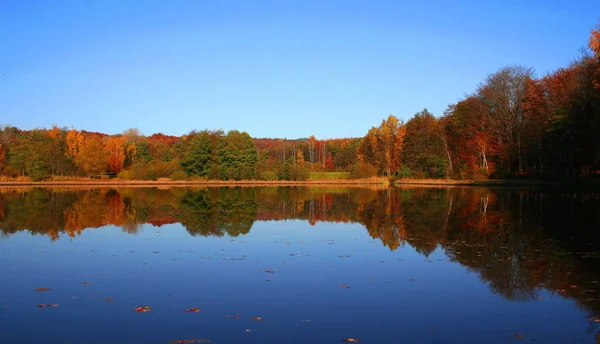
299	265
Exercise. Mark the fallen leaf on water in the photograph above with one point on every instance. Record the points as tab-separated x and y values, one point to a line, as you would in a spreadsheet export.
44	305
540	297
248	330
305	320
270	271
351	340
344	286
155	252
518	335
109	300
142	309
192	310
42	289
186	341
236	316
256	319
594	319
86	283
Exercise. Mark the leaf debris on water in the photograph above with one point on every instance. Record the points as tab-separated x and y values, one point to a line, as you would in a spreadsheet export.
256	318
351	340
86	283
518	335
44	305
270	271
42	289
192	310
142	309
186	341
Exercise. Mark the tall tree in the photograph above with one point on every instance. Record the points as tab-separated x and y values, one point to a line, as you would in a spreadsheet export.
502	93
91	156
423	150
115	153
382	146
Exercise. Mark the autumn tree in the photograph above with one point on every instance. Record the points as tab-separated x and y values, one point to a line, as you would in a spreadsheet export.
92	155
115	153
382	146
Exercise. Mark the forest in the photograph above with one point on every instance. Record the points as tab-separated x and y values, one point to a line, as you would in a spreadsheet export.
513	125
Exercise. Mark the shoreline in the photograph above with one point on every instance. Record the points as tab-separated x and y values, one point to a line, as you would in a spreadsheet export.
203	183
368	182
496	183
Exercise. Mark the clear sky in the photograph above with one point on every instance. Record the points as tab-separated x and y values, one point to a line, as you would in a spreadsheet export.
271	68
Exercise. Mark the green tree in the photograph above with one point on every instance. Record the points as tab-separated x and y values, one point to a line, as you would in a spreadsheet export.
423	150
201	154
237	156
31	154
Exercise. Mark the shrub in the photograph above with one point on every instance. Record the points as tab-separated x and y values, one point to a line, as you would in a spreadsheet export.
268	175
362	170
404	172
178	175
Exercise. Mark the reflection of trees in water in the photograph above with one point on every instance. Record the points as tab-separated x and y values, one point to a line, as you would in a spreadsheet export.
218	211
515	240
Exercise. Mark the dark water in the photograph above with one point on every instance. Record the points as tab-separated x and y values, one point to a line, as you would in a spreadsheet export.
417	265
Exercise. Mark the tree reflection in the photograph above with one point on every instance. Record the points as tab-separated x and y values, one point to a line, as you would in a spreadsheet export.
517	241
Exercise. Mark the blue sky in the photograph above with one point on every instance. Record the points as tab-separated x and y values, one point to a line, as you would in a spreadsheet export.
270	68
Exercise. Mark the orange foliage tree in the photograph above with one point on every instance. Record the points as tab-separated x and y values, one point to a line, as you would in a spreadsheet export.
115	153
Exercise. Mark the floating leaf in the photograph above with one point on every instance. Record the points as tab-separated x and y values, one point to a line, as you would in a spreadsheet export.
345	286
109	300
351	340
192	310
256	319
42	289
44	305
518	335
186	341
86	283
142	309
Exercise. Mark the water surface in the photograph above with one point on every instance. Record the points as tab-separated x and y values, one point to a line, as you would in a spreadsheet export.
316	265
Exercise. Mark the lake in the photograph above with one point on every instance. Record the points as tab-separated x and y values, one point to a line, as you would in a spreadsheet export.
299	265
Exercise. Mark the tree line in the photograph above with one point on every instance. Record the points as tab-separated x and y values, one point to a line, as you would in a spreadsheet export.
512	125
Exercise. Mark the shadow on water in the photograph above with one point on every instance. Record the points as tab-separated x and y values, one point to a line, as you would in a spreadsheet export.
517	241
